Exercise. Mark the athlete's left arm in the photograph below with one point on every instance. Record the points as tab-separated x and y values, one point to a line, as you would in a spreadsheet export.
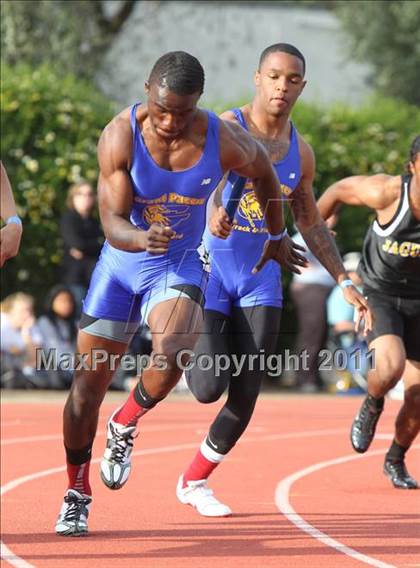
11	233
247	158
317	235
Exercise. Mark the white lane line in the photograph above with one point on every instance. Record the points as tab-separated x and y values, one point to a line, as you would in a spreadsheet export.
18	562
48	437
282	499
11	558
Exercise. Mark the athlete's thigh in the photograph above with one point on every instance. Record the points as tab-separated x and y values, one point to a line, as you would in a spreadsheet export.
389	354
111	310
208	381
256	328
411	374
411	310
96	360
218	296
388	319
179	317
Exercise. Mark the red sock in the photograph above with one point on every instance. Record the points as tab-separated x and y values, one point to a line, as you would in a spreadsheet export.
201	466
79	477
130	411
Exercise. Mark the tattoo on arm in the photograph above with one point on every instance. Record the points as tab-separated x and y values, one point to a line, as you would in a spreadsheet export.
323	246
276	149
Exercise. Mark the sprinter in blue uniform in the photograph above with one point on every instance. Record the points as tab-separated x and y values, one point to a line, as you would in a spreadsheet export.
242	310
159	162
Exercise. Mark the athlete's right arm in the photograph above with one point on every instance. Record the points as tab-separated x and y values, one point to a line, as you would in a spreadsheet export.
369	191
115	194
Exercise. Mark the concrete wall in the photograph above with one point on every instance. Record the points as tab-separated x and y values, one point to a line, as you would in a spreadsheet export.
228	38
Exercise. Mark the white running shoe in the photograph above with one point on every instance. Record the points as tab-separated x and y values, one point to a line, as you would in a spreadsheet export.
72	520
201	497
116	463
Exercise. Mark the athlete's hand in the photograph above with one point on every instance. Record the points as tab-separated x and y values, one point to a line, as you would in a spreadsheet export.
219	223
157	238
10	236
76	253
363	312
285	252
331	222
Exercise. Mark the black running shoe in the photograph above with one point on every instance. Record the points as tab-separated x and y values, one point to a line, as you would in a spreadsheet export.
364	426
399	476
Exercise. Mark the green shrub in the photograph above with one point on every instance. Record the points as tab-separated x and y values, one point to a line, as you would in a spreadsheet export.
357	141
49	131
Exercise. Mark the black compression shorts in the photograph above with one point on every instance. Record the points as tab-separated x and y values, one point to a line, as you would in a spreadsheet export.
395	315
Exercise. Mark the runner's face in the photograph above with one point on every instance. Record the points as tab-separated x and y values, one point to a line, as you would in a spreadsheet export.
415	169
170	114
279	82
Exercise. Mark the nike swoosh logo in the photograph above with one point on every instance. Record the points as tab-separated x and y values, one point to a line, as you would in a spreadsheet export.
211	443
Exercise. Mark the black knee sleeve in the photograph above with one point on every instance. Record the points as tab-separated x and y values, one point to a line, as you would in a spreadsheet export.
77	457
214	339
221	446
142	397
205	386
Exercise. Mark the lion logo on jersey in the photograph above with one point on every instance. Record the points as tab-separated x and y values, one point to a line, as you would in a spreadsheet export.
166	216
249	208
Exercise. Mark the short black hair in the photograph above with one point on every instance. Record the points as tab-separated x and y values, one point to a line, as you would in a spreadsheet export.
282	48
180	72
415	148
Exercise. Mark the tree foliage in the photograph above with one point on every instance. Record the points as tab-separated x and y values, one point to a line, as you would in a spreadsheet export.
50	125
386	33
70	35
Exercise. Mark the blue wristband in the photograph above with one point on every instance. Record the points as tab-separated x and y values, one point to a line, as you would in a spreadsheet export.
278	237
346	283
14	219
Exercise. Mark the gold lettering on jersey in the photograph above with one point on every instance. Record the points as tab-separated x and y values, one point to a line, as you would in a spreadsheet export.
248	229
175	198
171	198
405	249
242	228
162	199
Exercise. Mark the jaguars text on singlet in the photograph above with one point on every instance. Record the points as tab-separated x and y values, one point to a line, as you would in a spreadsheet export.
391	252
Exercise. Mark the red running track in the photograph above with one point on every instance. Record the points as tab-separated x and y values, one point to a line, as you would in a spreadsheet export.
293	445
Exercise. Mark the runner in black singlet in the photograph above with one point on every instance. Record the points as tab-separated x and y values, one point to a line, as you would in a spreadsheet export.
390	269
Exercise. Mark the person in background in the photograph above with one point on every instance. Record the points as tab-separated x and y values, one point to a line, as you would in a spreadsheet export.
340	317
11	233
309	291
58	329
341	314
19	338
83	238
